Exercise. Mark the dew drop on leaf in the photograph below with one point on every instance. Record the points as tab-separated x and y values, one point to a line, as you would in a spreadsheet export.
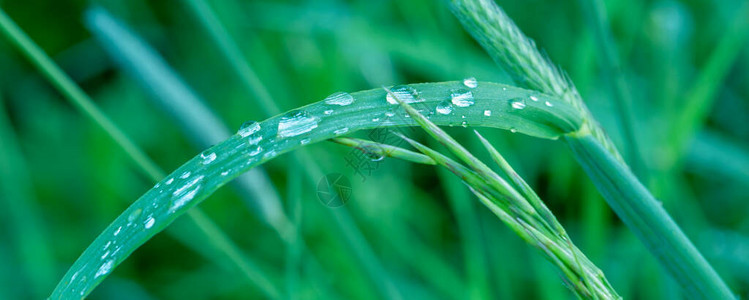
248	128
444	108
404	93
149	222
517	103
105	268
255	151
470	82
134	215
295	123
461	97
208	157
341	131
340	98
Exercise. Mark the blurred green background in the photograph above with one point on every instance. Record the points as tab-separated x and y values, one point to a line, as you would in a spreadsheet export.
421	231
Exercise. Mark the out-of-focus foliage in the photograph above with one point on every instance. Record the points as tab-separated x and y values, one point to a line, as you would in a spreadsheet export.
62	180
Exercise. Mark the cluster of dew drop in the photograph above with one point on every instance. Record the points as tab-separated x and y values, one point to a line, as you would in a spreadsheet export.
179	198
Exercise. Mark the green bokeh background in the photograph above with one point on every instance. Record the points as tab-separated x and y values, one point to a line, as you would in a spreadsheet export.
63	180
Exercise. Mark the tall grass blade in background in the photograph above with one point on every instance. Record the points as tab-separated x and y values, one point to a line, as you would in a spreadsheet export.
613	72
34	256
169	90
632	202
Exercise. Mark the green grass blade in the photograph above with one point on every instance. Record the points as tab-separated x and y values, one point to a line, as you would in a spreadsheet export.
257	143
613	73
634	204
379	150
232	54
702	94
74	93
644	215
169	90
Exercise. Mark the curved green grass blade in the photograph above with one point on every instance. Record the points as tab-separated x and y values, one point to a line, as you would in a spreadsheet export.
257	143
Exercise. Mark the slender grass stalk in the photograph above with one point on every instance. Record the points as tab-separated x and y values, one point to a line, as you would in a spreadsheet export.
231	52
702	93
632	202
74	93
518	206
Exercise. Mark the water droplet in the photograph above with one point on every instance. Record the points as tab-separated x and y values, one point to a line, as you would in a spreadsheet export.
185	193
104	256
404	93
104	269
304	141
295	123
517	104
464	124
463	117
208	157
75	275
327	112
341	131
149	222
375	119
470	82
548	104
488	113
389	114
248	128
255	151
185	175
375	153
534	98
340	98
109	243
134	215
513	130
461	97
224	173
180	191
168	182
269	154
116	232
253	140
444	108
504	88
